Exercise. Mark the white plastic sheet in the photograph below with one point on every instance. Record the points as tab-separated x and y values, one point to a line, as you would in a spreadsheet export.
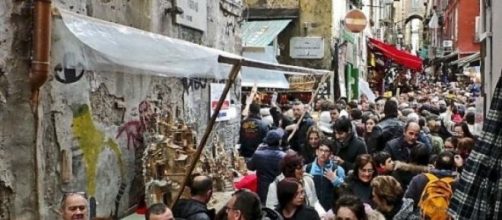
364	87
112	47
262	78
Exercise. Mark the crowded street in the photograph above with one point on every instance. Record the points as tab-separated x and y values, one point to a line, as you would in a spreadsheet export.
250	110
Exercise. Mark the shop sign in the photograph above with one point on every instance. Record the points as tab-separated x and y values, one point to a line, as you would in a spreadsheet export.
227	111
194	14
306	48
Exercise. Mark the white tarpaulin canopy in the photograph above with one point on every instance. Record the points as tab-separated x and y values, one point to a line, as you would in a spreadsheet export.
111	46
94	44
259	77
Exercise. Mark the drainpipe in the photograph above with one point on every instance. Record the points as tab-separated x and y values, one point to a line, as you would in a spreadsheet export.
41	48
40	66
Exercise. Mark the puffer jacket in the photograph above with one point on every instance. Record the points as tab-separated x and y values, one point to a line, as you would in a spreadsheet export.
190	209
349	150
384	131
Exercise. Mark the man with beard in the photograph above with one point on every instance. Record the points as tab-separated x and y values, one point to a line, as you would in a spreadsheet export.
75	206
401	148
348	145
299	139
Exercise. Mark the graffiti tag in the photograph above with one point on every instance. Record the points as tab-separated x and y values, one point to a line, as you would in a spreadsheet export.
193	84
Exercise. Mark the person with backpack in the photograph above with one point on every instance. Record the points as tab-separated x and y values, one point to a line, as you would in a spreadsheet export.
327	174
432	191
388	128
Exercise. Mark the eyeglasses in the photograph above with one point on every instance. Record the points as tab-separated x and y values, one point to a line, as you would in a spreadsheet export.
366	171
324	150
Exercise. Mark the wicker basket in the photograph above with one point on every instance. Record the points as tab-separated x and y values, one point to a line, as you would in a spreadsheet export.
302	83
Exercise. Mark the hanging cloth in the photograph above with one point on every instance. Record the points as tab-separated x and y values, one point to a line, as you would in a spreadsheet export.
479	191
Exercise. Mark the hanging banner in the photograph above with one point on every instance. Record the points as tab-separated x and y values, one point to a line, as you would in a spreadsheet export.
227	112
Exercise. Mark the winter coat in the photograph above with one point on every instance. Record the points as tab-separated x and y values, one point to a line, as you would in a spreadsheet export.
418	183
265	161
302	213
253	130
323	186
407	211
404	172
310	194
349	150
192	210
356	187
400	150
386	130
299	140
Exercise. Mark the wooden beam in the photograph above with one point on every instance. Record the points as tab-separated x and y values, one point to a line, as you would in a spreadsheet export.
231	79
286	69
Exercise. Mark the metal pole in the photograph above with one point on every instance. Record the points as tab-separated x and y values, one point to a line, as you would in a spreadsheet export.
323	79
233	75
336	80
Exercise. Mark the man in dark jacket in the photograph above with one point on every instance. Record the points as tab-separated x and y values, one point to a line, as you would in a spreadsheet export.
444	167
388	128
195	208
253	130
158	211
265	161
347	145
299	139
401	148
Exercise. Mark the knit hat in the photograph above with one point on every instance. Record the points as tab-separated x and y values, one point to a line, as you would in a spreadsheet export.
273	136
325	122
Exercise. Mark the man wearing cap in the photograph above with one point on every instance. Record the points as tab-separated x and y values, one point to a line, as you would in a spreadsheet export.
265	161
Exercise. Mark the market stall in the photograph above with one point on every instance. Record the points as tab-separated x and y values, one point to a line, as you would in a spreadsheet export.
172	149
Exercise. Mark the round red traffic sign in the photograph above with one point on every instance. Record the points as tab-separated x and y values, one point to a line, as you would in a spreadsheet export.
355	21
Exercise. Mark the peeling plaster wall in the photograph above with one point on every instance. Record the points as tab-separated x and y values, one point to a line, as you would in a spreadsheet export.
89	139
17	132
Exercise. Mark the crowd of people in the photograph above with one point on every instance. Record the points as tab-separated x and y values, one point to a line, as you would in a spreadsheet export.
391	158
381	159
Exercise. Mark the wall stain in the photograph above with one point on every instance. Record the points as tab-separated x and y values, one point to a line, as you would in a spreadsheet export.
92	142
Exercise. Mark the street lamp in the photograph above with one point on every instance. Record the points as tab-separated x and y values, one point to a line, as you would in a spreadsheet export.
400	39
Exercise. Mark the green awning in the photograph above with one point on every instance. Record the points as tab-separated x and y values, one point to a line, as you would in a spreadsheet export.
467	60
262	33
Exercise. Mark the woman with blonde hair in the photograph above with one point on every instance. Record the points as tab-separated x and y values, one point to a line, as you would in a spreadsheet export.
388	199
314	137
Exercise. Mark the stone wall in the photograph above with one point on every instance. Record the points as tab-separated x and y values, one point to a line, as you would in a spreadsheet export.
89	136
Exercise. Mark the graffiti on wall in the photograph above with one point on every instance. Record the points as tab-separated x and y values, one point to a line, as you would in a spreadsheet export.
193	84
92	142
70	70
134	129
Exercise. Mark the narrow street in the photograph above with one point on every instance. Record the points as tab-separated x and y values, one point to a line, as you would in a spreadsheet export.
250	109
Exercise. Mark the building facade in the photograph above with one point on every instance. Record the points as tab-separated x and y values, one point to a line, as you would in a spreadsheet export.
460	26
490	35
85	134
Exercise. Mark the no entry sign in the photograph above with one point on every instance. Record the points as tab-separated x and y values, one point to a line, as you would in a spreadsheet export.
355	21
